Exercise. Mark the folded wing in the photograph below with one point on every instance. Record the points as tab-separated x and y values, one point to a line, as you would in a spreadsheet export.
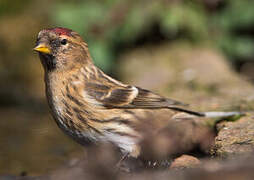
131	97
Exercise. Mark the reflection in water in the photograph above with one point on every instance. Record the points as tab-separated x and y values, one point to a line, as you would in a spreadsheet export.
31	142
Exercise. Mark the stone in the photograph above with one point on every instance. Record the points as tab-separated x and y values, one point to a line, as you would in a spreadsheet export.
235	138
185	161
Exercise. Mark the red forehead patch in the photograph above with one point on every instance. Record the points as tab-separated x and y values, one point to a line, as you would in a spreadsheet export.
61	31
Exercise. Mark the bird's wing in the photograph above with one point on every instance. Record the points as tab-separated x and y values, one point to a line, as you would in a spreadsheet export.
131	97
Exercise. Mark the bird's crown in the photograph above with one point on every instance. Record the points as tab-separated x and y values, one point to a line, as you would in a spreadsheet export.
60	31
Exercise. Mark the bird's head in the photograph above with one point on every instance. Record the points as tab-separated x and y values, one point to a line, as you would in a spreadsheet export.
61	49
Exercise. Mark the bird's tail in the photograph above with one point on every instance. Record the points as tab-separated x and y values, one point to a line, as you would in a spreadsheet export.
212	114
219	114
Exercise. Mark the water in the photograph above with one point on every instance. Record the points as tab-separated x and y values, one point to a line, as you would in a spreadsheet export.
31	143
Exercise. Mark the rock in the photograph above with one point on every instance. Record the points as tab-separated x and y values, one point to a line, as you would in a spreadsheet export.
185	161
235	137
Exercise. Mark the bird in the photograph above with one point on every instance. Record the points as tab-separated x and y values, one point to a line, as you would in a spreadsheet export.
92	107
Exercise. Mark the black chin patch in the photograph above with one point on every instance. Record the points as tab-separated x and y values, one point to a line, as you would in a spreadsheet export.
48	61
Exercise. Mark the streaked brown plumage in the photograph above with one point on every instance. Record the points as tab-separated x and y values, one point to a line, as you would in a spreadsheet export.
89	105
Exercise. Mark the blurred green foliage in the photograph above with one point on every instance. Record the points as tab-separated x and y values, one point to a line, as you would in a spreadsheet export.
109	26
236	26
111	23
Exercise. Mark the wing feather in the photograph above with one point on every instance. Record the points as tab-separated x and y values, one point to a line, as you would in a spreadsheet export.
129	97
114	94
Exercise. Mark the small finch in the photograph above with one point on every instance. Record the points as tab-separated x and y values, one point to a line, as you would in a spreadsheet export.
90	106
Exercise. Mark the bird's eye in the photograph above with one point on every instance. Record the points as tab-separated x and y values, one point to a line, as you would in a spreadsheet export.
64	41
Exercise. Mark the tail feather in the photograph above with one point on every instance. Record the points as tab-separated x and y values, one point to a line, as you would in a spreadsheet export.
211	114
190	112
218	114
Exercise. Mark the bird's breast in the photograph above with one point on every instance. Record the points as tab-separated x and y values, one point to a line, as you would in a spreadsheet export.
70	111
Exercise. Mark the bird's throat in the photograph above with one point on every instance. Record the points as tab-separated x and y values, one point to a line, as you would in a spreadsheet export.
48	61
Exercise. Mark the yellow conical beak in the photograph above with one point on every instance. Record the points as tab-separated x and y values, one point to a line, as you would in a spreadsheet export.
42	48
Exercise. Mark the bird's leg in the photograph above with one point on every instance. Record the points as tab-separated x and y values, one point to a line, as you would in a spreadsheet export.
118	165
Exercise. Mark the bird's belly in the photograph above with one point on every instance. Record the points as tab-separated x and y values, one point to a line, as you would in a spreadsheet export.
86	135
125	143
